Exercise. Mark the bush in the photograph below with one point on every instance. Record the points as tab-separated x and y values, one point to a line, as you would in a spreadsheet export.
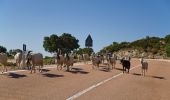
48	61
168	49
11	64
3	49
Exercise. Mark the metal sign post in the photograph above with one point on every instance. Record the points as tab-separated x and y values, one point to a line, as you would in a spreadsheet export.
23	64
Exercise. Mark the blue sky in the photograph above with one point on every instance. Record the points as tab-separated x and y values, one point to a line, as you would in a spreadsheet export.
28	21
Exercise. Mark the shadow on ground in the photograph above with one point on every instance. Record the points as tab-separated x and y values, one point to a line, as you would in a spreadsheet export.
14	75
52	75
136	74
77	71
45	70
156	77
105	69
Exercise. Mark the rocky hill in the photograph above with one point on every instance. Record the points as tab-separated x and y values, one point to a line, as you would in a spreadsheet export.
151	47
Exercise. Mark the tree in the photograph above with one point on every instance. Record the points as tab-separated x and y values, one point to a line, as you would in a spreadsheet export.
88	51
3	49
115	46
69	42
60	44
167	38
124	45
81	51
51	44
14	51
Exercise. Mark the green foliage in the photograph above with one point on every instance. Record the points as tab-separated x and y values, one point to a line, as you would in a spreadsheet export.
115	46
64	43
52	44
167	48
14	51
69	43
88	51
11	64
124	45
167	38
48	60
153	45
84	51
3	49
148	44
79	51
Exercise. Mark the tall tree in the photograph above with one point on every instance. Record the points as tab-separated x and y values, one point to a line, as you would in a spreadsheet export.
69	42
52	44
64	43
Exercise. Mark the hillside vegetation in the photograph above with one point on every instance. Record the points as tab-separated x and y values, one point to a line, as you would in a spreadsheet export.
151	45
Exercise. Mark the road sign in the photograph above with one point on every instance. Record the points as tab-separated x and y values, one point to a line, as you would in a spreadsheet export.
24	47
89	41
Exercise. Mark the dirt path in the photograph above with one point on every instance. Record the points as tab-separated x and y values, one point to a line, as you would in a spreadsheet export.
60	85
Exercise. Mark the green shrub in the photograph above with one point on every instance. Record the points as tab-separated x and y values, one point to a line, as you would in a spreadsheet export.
48	61
168	49
11	64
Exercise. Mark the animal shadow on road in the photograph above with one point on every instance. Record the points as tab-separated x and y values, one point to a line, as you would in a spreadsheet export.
14	75
104	69
77	71
156	77
136	74
45	70
52	75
